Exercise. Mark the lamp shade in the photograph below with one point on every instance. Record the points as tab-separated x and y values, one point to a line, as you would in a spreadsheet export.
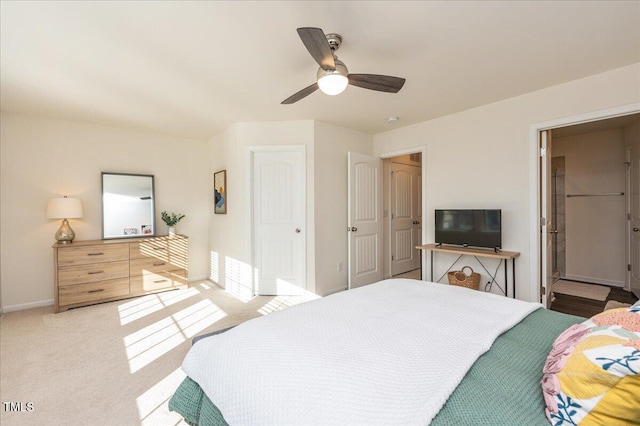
64	208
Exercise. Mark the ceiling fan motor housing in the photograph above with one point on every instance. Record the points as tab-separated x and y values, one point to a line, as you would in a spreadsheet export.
340	69
334	41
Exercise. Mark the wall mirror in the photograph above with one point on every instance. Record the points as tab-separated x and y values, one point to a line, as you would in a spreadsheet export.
128	208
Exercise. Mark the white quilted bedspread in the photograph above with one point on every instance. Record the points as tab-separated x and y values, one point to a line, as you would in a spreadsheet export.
387	353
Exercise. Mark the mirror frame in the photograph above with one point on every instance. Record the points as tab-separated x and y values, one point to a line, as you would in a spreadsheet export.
153	206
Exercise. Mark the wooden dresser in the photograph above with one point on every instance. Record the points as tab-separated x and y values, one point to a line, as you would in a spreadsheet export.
88	272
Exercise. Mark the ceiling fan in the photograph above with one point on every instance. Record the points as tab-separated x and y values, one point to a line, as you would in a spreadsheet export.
333	76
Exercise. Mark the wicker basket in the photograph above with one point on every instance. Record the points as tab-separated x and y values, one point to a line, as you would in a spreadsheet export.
460	278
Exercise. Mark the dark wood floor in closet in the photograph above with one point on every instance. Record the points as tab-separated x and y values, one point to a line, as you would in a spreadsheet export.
587	307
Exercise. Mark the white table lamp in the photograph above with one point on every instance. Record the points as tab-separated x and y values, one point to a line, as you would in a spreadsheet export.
64	208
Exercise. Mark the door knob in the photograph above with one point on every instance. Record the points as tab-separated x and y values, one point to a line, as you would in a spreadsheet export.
354	229
553	231
297	230
635	229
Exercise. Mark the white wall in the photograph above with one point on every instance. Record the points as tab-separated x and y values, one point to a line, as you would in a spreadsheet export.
326	200
43	158
481	157
595	226
229	235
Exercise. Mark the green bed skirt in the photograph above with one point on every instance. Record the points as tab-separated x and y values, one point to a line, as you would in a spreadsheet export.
501	388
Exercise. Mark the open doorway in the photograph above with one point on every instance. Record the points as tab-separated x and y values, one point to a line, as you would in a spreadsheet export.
402	213
590	203
370	249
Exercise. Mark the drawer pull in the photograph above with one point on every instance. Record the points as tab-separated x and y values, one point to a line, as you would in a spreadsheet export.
95	254
159	248
160	281
96	291
160	264
96	272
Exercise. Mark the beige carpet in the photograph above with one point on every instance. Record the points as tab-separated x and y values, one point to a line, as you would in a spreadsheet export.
588	291
111	364
613	304
415	275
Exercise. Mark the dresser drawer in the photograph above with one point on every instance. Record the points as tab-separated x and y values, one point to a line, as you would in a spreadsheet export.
158	281
92	292
156	249
151	265
72	275
179	252
150	255
84	255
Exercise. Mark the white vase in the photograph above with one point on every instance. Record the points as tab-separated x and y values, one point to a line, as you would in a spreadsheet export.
172	230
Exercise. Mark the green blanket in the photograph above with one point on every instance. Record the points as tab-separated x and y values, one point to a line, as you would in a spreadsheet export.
502	387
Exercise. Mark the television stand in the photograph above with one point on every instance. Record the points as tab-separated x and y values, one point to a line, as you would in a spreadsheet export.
478	253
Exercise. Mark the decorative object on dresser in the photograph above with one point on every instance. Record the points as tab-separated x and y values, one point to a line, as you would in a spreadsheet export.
64	208
171	220
220	192
128	209
90	272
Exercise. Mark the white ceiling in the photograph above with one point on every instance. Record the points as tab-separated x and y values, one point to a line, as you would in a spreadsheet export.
194	68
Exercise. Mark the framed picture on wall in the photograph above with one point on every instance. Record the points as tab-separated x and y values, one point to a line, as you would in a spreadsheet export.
220	192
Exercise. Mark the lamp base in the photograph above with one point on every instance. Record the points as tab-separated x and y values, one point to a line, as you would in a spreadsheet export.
65	234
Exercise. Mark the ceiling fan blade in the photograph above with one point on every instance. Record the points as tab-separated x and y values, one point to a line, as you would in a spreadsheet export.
301	94
316	43
381	83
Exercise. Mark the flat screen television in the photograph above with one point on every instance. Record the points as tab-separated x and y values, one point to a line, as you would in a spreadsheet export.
469	228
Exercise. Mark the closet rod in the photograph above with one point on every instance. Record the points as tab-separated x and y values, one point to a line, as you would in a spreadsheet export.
605	194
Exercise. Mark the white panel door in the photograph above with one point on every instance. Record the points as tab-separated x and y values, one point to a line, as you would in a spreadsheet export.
405	218
365	219
278	222
634	225
546	225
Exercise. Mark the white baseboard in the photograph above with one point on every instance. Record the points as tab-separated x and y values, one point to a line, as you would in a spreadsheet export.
199	278
23	306
594	280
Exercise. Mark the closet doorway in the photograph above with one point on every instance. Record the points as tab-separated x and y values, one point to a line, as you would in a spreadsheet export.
591	199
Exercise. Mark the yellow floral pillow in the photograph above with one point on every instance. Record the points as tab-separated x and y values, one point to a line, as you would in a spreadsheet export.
592	374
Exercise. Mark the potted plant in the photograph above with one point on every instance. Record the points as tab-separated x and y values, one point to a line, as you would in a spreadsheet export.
171	220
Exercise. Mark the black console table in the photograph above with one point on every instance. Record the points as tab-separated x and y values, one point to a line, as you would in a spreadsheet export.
476	253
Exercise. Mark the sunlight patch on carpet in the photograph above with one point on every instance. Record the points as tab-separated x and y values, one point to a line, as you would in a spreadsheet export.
141	307
151	342
279	303
153	406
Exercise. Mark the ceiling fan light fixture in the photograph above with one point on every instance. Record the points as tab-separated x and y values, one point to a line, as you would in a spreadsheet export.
333	84
333	81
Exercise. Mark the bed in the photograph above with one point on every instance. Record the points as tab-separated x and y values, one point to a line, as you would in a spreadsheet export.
398	351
